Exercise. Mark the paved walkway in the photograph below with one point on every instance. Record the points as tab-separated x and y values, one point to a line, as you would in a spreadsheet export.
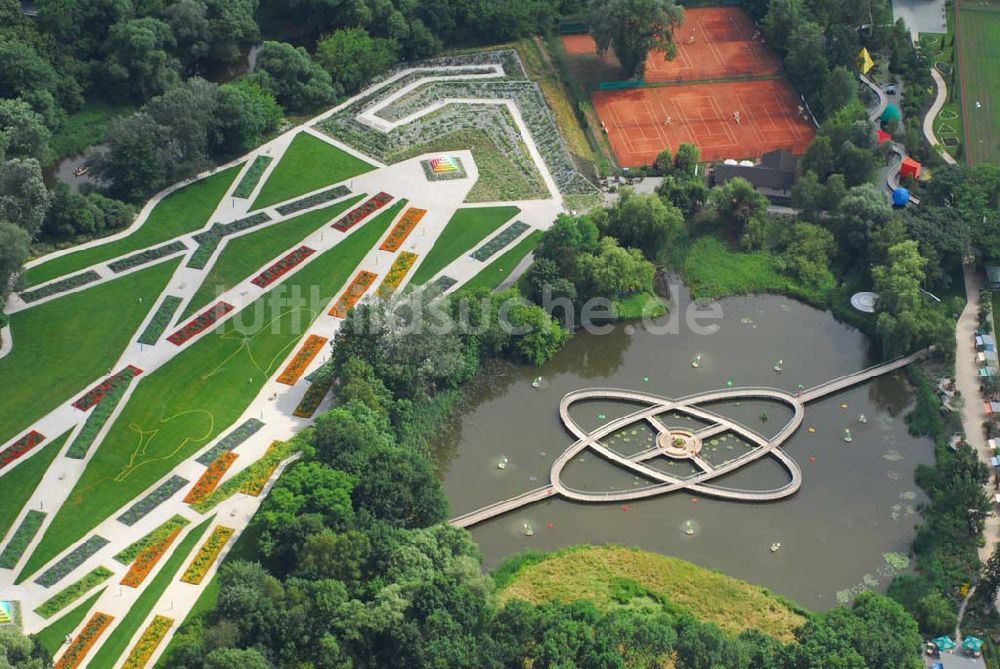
929	118
967	381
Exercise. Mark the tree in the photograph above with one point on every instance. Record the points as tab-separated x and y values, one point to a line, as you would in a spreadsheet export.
687	159
735	203
664	161
189	24
138	62
188	113
841	89
25	131
23	197
633	28
15	245
233	27
642	221
18	651
352	57
818	157
288	73
236	658
782	18
71	214
614	271
137	163
806	255
862	210
806	63
807	195
688	195
27	75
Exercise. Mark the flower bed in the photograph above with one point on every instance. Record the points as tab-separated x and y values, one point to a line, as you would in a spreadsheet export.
147	559
361	212
97	393
147	256
443	168
247	429
361	282
71	593
165	491
206	484
402	229
249	181
20	447
312	200
397	273
502	239
297	367
282	267
98	418
153	538
161	319
147	644
200	323
76	557
251	480
209	240
443	283
62	286
207	554
313	398
88	636
22	536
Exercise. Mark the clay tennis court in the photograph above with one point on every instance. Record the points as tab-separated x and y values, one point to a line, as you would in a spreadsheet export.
641	122
712	43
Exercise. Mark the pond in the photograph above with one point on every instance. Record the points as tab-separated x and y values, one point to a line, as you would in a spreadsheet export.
65	170
857	502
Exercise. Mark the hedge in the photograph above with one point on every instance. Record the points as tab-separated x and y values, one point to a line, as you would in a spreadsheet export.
129	554
252	177
161	319
71	593
138	511
246	430
77	556
502	239
56	287
18	543
313	200
149	255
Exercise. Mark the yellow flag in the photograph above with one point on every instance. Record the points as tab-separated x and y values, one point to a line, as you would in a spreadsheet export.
865	61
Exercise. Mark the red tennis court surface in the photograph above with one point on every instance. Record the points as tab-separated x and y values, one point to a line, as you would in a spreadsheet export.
712	43
641	122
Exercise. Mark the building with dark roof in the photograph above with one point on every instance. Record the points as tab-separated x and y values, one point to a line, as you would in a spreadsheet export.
774	176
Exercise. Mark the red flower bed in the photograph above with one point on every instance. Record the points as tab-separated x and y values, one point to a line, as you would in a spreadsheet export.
200	323
297	367
146	560
282	267
97	393
361	212
403	229
20	447
353	293
210	479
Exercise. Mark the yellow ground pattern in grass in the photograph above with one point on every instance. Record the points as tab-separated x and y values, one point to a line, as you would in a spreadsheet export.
590	572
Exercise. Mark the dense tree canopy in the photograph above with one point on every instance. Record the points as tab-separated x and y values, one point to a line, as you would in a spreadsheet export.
633	28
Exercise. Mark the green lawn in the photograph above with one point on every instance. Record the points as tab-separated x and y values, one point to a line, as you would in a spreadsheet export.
308	164
63	346
113	650
245	255
201	392
498	270
466	228
979	45
18	483
84	128
180	212
54	636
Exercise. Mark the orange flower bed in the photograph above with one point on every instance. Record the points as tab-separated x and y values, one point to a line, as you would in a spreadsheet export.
211	477
403	229
397	273
146	560
350	297
207	554
297	367
148	643
91	632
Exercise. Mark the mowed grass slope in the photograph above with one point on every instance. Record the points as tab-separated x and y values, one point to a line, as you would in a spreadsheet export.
245	255
18	483
308	163
465	230
979	44
182	211
64	346
594	573
186	403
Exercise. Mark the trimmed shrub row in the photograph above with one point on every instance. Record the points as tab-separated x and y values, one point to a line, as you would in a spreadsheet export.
312	200
96	420
149	255
71	593
246	430
76	557
62	286
502	239
156	536
253	175
18	543
249	479
161	319
209	240
138	511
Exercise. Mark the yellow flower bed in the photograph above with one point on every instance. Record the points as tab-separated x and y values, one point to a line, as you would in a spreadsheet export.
148	643
397	273
207	554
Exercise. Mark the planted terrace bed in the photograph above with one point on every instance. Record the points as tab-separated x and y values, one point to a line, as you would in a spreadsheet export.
147	644
146	560
282	267
312	200
252	177
127	555
74	559
402	229
70	594
297	367
250	481
158	496
505	237
209	240
22	536
200	323
210	479
147	256
357	288
81	645
161	319
207	555
99	416
97	393
400	268
20	447
247	429
361	212
60	286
